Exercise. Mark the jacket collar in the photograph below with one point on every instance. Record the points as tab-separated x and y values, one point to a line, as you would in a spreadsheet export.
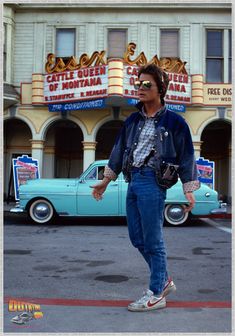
140	107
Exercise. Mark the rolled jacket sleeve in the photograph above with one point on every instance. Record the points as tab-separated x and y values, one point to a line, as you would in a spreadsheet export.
109	173
191	186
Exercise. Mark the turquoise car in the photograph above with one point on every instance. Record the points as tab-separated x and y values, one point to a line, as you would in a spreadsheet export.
44	199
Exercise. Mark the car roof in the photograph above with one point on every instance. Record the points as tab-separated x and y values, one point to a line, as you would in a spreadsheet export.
101	161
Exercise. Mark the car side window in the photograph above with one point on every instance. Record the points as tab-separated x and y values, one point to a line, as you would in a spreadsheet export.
92	175
97	173
100	173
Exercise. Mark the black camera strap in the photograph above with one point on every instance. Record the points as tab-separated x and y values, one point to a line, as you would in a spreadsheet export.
148	157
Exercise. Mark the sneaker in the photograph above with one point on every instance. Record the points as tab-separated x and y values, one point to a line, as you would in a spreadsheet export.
147	302
170	287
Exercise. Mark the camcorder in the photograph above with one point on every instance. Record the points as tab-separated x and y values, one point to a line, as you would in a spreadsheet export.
167	175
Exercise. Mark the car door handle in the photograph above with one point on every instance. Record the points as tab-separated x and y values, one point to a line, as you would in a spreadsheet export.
114	185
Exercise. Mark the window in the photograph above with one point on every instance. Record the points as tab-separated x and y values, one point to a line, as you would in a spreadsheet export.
214	56
92	175
117	42
97	173
169	43
65	43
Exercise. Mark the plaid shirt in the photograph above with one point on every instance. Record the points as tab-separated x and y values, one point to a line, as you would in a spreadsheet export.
145	143
144	146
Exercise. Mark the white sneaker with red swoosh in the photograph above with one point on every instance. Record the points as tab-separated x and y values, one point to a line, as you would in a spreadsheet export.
169	287
148	302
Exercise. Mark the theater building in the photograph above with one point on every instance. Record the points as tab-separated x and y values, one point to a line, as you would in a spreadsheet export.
69	71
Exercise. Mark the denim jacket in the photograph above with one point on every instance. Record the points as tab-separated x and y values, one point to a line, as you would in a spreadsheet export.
173	144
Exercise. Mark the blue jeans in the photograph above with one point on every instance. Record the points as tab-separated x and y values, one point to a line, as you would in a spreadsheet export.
145	206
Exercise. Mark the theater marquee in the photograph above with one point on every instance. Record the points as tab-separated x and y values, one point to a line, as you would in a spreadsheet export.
93	77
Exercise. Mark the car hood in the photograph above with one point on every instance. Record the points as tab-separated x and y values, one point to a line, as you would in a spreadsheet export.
49	183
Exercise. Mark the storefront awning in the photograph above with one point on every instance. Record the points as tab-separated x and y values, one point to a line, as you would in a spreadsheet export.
10	96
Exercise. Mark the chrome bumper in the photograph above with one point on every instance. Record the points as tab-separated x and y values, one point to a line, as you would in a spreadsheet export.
221	210
17	209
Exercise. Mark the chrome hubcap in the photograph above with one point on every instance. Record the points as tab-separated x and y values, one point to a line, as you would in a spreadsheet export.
176	213
41	211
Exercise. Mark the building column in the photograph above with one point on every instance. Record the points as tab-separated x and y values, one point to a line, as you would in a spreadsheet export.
197	148
37	89
88	153
37	152
49	162
197	90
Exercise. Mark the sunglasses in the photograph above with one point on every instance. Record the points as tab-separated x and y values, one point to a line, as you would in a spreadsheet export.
146	85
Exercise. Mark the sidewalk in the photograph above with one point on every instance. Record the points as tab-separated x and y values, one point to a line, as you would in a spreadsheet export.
7	207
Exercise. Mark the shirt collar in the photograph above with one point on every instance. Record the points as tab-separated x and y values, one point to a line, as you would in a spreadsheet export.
157	113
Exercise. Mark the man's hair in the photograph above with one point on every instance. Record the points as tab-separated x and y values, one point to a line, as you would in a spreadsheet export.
160	77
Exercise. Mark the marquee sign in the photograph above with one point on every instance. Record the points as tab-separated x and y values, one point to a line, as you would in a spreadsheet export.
171	107
76	106
179	89
82	84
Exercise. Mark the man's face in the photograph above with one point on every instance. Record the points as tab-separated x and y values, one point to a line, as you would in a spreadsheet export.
146	94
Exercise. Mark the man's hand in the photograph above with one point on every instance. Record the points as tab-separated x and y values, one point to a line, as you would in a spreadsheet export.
100	188
191	199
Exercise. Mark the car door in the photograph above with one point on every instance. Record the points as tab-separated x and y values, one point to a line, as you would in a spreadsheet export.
87	205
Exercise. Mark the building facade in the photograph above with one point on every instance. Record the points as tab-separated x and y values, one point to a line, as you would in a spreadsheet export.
69	70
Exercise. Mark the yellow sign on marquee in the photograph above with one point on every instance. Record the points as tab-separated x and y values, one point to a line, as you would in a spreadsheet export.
217	94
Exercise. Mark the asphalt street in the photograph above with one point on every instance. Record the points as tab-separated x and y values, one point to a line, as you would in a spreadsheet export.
82	274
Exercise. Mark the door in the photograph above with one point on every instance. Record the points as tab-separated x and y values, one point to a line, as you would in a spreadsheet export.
87	205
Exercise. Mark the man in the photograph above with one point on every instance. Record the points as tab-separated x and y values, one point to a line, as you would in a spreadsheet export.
150	138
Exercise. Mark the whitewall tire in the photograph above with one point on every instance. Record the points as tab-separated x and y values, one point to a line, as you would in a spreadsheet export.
41	211
174	214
